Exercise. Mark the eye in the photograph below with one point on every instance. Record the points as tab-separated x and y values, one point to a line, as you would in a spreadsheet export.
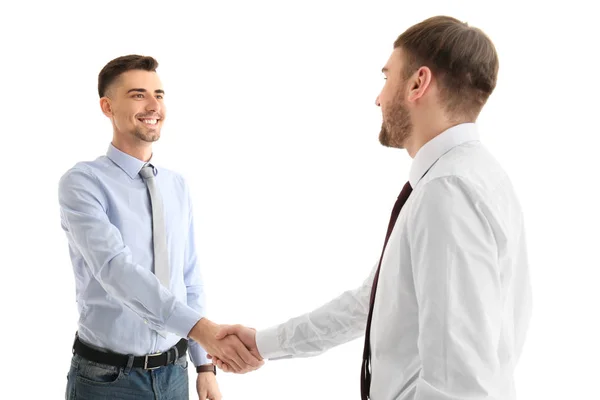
138	96
160	96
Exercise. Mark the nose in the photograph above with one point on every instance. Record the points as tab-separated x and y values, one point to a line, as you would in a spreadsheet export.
377	103
152	104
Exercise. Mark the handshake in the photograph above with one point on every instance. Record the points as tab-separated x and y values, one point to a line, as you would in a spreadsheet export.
232	348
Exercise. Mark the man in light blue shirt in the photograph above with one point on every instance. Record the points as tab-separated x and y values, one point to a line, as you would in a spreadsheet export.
126	315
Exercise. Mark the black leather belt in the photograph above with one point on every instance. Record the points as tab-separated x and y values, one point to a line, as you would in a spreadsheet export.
148	362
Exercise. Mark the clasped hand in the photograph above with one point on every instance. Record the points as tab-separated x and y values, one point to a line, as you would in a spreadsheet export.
232	348
247	336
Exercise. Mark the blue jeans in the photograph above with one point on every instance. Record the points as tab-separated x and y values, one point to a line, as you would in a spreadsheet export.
88	380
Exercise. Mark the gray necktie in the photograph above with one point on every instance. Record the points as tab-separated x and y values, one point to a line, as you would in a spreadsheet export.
159	231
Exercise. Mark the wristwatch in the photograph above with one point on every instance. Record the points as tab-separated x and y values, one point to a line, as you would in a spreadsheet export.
207	368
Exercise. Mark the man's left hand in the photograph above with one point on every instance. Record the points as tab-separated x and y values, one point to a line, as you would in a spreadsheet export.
207	386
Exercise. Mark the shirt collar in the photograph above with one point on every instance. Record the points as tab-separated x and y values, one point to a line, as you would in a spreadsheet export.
127	163
431	151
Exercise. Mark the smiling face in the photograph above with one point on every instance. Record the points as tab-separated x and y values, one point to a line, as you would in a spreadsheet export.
135	104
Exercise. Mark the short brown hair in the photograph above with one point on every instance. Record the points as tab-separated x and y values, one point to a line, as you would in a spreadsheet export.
461	57
116	67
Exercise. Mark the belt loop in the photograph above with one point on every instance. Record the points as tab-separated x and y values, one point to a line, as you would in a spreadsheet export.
176	353
129	365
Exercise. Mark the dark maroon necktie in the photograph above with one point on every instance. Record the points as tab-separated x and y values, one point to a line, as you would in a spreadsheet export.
365	373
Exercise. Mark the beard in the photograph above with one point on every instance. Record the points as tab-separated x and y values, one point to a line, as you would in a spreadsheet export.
146	134
397	126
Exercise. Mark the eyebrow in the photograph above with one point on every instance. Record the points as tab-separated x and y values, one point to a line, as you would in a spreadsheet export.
144	90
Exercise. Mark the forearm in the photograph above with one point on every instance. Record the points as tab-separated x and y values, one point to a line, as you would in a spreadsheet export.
341	320
140	290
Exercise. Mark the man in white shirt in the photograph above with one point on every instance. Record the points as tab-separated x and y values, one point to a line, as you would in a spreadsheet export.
452	297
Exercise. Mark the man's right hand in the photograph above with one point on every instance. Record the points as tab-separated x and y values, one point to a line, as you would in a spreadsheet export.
228	348
247	337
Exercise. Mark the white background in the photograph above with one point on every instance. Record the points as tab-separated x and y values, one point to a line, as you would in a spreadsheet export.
272	121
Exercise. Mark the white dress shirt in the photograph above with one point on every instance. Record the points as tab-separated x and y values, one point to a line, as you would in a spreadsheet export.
453	300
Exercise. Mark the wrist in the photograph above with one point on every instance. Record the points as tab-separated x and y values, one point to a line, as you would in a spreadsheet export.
206	368
199	331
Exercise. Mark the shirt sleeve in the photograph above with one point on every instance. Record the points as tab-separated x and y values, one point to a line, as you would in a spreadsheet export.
83	214
339	321
457	284
192	276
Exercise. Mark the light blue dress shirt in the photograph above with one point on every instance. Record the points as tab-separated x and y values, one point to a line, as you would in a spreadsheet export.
106	213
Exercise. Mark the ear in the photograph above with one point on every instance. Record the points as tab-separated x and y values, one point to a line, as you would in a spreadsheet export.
419	83
106	107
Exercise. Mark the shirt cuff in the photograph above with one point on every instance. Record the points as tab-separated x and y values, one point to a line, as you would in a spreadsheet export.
197	354
182	319
267	342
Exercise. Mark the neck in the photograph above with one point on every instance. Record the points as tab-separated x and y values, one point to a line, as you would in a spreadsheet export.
423	133
134	147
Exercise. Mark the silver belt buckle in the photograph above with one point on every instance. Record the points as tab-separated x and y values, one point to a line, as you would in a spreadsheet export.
146	361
